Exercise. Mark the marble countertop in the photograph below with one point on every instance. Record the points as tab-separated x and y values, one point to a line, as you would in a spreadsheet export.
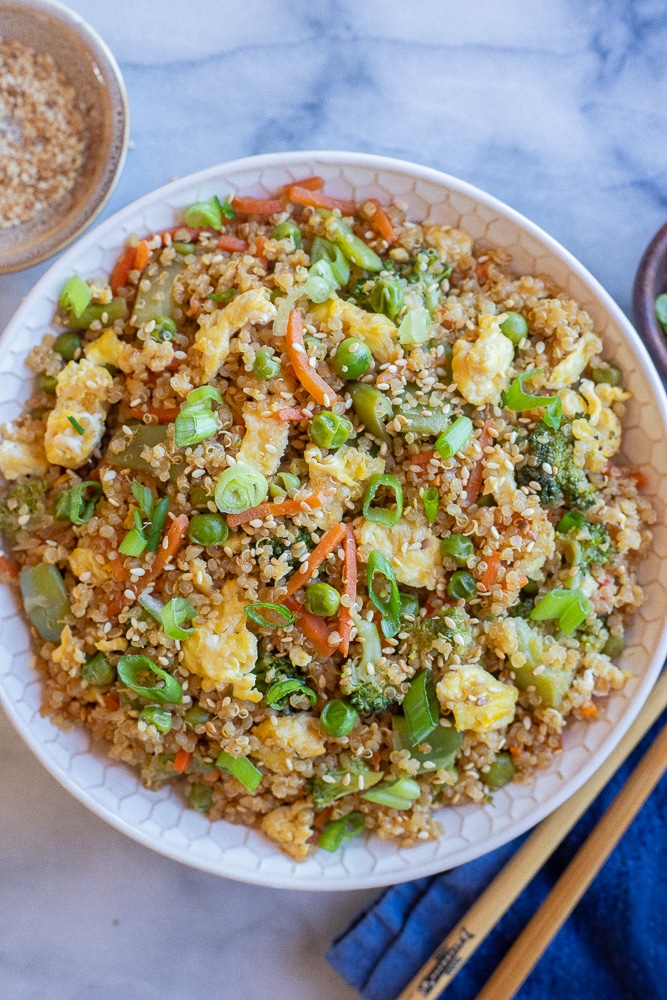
559	110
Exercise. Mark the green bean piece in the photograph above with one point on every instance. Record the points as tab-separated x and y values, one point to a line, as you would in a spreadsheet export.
384	593
457	547
98	671
462	585
380	514
614	646
607	373
514	327
155	715
352	359
200	796
373	408
67	345
329	429
200	498
284	483
500	772
423	424
106	314
322	599
158	300
47	383
354	249
143	436
45	599
288	230
338	718
266	365
195	716
325	250
208	530
386	297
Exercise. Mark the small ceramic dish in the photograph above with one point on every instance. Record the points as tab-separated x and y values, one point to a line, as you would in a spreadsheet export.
82	57
651	281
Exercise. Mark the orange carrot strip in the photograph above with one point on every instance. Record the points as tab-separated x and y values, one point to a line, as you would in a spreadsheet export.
111	702
489	575
639	478
421	458
232	243
164	414
311	183
181	760
289	413
119	569
349	589
515	750
304	196
476	476
174	539
589	711
142	253
313	383
378	220
121	271
257	206
330	540
286	508
313	627
8	566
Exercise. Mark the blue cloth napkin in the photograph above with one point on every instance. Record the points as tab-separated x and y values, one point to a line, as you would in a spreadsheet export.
613	947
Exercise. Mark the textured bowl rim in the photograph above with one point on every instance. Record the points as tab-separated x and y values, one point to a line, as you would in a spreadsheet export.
259	163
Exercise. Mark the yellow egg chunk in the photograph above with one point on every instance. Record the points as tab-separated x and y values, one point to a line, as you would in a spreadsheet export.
213	338
284	737
570	368
82	393
478	700
481	368
377	331
343	475
411	548
105	350
265	440
291	827
85	566
21	458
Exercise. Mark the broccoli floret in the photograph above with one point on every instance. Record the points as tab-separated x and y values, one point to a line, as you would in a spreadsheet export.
367	681
450	626
270	669
338	784
584	544
277	546
381	293
21	499
566	483
428	271
550	682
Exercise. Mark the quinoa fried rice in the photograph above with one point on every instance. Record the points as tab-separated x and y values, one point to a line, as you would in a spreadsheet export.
364	512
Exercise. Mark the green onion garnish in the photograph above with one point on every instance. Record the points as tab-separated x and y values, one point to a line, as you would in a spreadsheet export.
338	718
573	519
226	296
177	611
389	602
399	794
205	394
239	488
241	768
325	250
132	668
227	209
322	269
431	501
415	327
256	614
421	707
279	693
75	296
205	213
77	426
338	830
161	718
383	515
553	415
157	524
134	543
570	607
152	605
194	424
144	497
454	438
77	504
516	399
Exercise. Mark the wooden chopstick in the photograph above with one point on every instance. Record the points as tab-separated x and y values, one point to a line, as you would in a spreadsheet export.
572	884
467	935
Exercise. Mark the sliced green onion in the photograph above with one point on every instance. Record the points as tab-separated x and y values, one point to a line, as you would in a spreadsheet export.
322	269
45	599
325	250
431	501
226	296
415	327
454	438
177	611
134	543
553	415
133	667
184	248
144	497
194	424
239	488
77	504
371	646
154	715
573	519
98	671
279	693
354	249
77	426
75	296
284	482
205	394
389	605
409	605
336	831
438	749
383	515
338	718
399	794
256	614
517	400
570	607
164	329
152	605
157	525
330	430
372	407
241	768
227	209
204	213
289	230
421	707
457	547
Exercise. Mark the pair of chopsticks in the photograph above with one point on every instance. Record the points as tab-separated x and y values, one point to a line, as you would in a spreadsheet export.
464	939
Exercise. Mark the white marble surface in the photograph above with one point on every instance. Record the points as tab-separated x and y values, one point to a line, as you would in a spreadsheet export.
559	108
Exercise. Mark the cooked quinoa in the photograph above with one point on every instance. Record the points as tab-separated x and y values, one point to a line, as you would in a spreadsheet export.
292	534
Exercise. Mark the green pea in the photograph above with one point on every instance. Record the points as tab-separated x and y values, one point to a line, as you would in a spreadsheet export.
338	718
67	344
486	500
208	529
500	772
353	358
462	585
184	248
165	329
154	715
329	429
47	383
322	599
607	373
514	327
373	408
288	231
457	547
200	498
531	589
266	365
195	716
200	797
98	671
614	645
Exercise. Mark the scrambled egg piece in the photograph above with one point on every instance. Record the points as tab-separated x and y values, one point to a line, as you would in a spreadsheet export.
292	827
481	369
344	475
224	651
597	436
570	368
264	442
82	560
21	458
376	330
68	654
213	338
82	392
411	548
286	736
454	245
108	349
478	700
105	350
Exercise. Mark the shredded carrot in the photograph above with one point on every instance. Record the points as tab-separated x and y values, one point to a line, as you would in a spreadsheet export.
232	243
589	711
289	413
422	457
164	414
481	272
476	476
111	702
313	627
142	253
313	383
330	540
349	589
174	540
489	575
119	569
181	760
311	183
8	566
121	271
378	220
304	196
257	206
287	508
638	477
515	750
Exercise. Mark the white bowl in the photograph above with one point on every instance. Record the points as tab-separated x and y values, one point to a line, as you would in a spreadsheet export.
157	818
